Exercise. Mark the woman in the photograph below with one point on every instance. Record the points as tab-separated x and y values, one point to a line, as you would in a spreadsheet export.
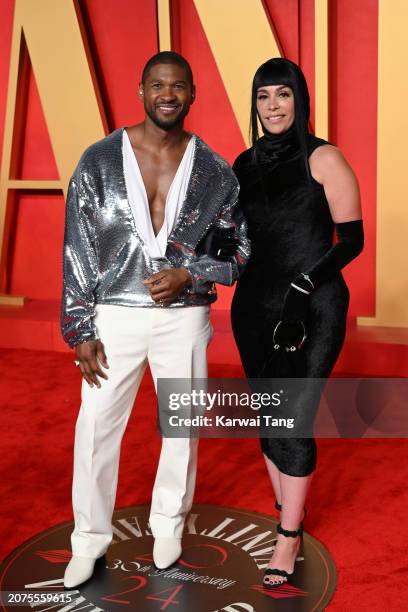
295	190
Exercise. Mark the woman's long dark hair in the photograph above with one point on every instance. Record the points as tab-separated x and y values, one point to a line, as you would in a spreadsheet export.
281	71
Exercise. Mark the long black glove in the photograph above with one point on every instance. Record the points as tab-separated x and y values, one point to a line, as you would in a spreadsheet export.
219	243
350	242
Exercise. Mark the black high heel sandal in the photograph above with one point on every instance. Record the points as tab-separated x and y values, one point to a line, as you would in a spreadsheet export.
271	571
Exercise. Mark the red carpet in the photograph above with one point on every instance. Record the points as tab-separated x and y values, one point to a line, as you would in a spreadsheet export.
356	508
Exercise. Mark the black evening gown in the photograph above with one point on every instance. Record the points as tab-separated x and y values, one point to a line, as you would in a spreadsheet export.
290	228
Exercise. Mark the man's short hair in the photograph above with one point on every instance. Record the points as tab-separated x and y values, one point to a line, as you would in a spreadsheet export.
168	57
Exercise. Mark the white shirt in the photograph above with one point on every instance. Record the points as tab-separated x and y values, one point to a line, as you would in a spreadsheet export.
139	203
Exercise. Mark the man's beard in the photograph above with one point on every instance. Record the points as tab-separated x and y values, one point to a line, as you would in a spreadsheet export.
170	123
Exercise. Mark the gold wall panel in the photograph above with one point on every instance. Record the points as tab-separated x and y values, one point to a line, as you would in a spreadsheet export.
392	163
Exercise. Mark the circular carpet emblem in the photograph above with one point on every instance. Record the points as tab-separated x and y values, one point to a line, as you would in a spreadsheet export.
225	551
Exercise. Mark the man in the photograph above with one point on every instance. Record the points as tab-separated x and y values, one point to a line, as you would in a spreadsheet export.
137	290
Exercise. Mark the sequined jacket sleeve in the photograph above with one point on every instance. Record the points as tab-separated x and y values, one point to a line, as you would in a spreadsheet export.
207	270
80	270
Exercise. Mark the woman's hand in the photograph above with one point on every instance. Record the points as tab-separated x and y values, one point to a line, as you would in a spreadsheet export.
220	243
296	303
294	313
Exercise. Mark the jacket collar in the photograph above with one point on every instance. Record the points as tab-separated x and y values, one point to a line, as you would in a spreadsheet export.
203	172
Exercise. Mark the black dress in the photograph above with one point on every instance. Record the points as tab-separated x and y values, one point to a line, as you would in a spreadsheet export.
290	228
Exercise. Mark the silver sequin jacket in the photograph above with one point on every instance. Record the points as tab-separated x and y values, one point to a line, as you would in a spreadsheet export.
105	261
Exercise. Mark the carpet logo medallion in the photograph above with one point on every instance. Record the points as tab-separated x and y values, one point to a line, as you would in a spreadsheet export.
225	551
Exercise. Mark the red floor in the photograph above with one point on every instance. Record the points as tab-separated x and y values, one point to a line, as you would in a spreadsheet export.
357	505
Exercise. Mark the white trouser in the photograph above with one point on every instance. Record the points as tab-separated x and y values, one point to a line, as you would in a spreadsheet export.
174	343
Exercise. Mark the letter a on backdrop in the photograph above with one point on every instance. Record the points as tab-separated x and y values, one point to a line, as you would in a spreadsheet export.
50	32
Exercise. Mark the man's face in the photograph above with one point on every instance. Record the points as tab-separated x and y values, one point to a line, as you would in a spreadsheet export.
167	95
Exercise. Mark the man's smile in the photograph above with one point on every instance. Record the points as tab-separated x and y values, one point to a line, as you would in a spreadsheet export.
167	109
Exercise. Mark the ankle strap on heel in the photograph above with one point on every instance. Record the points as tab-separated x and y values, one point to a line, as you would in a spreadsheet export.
287	533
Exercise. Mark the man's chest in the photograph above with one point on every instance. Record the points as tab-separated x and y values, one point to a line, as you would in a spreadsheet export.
158	174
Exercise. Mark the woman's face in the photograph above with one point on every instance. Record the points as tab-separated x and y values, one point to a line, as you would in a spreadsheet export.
276	107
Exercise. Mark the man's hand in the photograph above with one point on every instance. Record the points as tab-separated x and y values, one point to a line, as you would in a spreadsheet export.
168	283
90	354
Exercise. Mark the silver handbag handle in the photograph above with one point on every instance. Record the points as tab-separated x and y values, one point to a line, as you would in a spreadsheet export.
292	348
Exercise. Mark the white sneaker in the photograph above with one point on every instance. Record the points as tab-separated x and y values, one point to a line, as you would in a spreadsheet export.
78	570
166	551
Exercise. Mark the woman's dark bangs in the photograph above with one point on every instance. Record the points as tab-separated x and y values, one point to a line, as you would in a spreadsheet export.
273	73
